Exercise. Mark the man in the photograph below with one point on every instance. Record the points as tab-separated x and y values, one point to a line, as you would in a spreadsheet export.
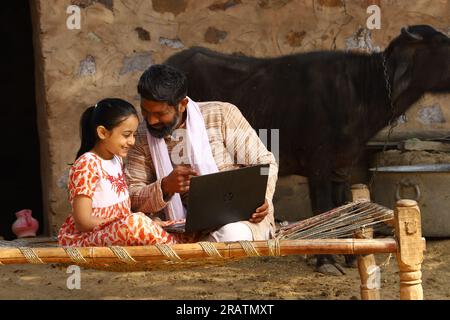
179	139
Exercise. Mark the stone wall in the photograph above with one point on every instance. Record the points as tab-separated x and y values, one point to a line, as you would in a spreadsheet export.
118	39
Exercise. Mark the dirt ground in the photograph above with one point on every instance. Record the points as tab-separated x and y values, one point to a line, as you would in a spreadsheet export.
288	277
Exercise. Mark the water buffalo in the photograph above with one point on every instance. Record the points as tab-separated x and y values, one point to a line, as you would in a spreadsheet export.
327	104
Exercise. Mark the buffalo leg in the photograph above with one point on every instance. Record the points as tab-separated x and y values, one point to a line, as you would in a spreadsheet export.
321	195
340	186
341	194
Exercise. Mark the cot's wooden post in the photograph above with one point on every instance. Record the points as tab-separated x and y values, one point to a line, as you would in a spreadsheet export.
360	191
410	247
367	267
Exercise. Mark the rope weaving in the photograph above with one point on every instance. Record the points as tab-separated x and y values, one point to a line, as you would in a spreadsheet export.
168	252
75	255
210	249
91	252
249	248
274	247
30	255
122	254
341	222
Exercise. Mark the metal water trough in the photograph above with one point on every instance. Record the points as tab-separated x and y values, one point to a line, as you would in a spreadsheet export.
428	184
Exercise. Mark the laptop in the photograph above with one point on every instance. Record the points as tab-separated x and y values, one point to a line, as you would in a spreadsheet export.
224	197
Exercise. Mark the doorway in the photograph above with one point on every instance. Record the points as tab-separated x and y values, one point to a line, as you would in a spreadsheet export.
20	160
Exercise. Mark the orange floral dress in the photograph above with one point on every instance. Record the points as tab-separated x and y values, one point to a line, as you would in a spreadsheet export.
104	182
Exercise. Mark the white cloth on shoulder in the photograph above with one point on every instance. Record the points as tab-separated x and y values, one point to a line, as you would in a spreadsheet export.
199	156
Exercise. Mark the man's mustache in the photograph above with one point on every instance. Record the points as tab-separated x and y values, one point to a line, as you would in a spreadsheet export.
162	130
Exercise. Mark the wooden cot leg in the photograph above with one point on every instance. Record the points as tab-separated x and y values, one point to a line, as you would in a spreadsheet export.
369	272
367	266
408	231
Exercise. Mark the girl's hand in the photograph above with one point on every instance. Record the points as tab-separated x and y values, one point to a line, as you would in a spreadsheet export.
161	223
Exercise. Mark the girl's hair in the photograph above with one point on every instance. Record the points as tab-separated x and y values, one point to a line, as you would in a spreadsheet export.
109	113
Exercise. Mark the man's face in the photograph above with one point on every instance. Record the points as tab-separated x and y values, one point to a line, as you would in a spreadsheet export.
161	119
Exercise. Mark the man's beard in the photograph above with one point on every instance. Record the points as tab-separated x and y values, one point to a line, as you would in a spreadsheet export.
164	130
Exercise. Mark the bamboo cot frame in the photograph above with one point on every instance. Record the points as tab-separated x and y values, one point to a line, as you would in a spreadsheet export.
408	245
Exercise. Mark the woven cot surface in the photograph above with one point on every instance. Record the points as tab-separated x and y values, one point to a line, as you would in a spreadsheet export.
331	230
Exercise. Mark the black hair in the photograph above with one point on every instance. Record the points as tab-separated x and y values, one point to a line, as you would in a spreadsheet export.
109	113
163	83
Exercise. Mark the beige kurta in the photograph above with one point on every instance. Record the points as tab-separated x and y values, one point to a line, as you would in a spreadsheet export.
234	143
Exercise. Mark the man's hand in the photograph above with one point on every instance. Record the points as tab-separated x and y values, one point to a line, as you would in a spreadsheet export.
260	213
178	180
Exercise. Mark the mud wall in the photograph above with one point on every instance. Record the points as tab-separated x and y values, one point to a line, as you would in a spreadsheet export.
118	39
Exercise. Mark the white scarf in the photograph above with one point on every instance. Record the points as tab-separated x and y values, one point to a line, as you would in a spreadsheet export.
199	155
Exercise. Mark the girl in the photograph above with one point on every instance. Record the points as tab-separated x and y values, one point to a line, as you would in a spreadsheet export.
98	192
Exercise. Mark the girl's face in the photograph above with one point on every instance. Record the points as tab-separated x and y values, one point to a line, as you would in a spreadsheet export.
119	140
